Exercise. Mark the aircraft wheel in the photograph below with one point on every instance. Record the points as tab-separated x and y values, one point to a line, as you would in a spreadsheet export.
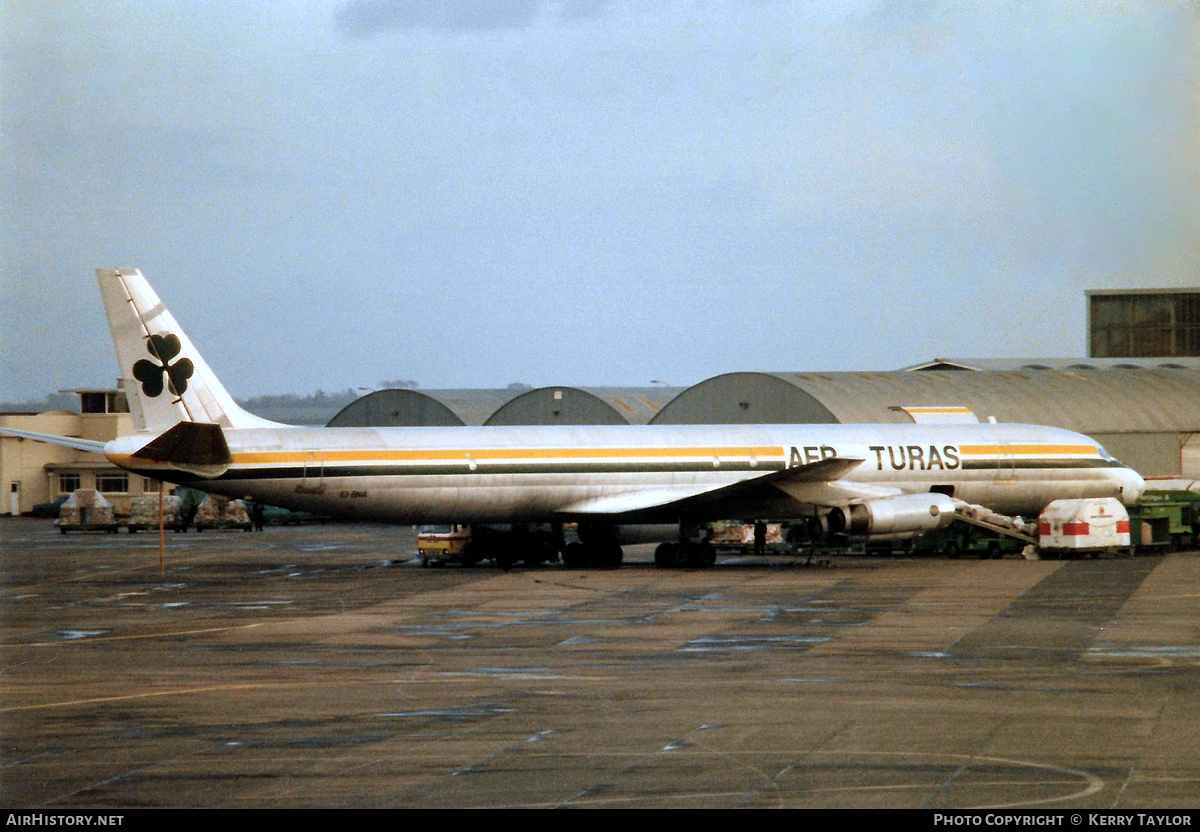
504	559
608	556
574	556
702	555
469	555
539	553
665	556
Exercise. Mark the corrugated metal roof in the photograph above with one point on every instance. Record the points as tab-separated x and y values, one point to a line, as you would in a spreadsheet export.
584	406
1058	363
1110	401
510	405
421	407
638	405
744	399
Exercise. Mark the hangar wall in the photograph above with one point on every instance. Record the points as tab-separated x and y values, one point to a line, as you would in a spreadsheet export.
395	408
583	406
1153	455
745	399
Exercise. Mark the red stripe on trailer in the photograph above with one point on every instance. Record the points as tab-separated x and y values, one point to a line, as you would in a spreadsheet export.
1122	527
1078	528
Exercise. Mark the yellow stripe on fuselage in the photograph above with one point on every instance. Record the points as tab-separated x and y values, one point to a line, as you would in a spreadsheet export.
485	454
1028	450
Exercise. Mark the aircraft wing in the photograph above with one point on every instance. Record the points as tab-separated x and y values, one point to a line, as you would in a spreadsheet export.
75	442
816	484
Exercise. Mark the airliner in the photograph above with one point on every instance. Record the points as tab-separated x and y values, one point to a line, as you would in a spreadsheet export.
859	480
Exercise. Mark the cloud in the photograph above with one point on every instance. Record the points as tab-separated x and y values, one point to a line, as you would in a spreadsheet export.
367	18
581	9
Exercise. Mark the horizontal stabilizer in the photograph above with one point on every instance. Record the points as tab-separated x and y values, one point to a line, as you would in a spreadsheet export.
196	447
75	442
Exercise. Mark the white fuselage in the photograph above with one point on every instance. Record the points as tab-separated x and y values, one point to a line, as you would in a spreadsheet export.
526	474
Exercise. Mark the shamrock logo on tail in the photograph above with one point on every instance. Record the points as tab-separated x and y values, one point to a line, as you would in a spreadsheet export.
163	348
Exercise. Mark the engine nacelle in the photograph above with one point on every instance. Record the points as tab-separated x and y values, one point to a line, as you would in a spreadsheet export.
906	514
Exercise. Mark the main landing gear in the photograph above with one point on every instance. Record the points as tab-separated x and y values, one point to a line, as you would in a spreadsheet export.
597	549
686	553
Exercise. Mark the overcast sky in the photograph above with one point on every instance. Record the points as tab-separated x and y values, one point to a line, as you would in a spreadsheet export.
332	193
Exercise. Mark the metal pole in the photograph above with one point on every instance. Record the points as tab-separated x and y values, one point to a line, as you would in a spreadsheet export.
162	541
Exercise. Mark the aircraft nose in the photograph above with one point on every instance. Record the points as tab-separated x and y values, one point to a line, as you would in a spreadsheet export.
1131	486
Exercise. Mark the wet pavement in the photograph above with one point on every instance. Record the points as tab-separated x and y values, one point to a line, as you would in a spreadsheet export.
318	666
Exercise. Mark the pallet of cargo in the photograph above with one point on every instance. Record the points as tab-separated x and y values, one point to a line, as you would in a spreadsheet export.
86	510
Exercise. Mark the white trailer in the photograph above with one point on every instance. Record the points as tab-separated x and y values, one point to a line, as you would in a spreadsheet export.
1084	526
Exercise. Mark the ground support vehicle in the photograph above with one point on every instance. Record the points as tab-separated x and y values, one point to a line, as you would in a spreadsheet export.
1165	521
1070	528
532	545
962	540
442	543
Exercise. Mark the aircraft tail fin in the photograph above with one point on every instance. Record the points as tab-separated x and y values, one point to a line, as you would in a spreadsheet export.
164	377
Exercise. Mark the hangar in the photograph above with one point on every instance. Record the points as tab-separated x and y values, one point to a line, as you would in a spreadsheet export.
1147	416
510	406
584	406
397	408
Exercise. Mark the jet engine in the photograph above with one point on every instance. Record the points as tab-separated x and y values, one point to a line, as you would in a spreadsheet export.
907	513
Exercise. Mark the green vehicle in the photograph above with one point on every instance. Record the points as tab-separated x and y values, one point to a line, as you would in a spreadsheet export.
1165	521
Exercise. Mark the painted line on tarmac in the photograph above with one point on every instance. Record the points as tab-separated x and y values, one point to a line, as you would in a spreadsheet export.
124	698
168	634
